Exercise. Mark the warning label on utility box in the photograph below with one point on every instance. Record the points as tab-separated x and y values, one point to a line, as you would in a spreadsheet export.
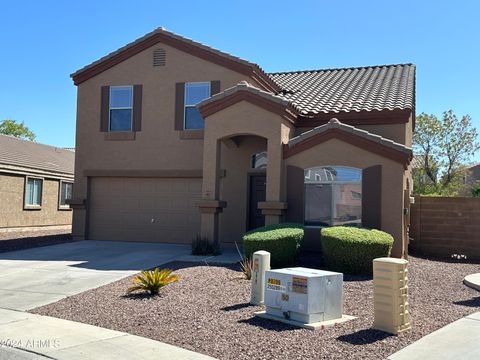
275	285
299	284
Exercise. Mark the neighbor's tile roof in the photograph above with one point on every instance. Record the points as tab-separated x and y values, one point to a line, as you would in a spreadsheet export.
383	87
28	154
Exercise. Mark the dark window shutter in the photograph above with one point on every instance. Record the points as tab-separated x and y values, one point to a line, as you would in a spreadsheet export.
372	197
214	87
295	194
104	108
179	105
137	108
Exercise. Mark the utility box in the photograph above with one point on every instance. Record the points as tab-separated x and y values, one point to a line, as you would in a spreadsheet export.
261	263
390	281
304	295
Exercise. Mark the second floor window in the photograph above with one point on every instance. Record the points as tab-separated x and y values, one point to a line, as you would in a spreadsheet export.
195	92
121	108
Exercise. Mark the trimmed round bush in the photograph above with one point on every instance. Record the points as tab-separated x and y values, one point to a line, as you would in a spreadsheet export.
282	241
352	250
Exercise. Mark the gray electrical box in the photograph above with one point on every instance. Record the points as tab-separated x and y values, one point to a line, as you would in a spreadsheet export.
304	295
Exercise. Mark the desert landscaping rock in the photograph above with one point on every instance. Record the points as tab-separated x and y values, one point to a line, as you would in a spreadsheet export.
207	311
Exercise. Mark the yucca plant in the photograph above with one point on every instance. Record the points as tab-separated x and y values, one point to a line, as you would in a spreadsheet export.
246	265
153	280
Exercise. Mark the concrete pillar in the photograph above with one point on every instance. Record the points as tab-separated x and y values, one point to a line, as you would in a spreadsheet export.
390	281
274	178
211	169
210	205
261	263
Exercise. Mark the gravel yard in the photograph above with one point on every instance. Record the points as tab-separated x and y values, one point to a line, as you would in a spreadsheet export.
207	311
18	240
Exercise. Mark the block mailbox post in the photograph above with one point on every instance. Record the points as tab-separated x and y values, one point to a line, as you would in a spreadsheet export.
390	281
261	264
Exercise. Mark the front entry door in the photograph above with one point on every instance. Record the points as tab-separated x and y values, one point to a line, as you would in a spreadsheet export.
257	193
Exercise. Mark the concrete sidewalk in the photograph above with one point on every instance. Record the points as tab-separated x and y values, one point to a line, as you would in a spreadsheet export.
458	340
30	336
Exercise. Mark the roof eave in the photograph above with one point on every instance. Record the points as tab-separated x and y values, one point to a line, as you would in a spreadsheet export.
189	46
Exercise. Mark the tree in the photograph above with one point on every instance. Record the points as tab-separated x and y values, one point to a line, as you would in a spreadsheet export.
17	129
446	145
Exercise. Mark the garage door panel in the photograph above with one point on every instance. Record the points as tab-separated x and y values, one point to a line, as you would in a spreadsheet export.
137	209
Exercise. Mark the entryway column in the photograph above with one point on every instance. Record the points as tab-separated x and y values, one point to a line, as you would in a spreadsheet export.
210	205
273	207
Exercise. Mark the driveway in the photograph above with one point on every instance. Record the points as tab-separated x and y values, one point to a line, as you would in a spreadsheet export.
39	276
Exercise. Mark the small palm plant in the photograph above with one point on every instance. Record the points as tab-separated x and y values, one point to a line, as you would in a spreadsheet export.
247	265
153	280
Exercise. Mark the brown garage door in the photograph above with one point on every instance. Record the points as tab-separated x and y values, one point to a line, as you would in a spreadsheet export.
144	209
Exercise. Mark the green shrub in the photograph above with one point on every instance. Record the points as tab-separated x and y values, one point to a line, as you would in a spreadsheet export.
352	250
282	241
203	246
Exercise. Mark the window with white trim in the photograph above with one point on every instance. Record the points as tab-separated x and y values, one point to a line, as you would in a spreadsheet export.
121	108
195	92
66	189
33	192
333	196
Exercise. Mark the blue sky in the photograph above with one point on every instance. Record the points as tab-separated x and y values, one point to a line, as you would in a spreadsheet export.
42	42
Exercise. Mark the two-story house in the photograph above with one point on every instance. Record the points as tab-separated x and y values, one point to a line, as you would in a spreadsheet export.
176	139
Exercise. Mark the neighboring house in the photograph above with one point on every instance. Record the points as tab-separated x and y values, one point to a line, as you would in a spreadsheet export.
36	181
472	174
176	139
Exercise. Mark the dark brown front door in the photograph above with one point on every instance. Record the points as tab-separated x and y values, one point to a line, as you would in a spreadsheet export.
257	193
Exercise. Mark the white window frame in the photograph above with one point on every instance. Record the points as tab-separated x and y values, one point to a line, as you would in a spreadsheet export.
110	107
27	206
65	206
185	106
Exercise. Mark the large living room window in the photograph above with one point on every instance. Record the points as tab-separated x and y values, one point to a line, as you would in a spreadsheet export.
33	192
121	108
333	196
195	92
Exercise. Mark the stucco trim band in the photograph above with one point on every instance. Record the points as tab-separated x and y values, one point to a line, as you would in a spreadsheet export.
272	207
159	173
211	206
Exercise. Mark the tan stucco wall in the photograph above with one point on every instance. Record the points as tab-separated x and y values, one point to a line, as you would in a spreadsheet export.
336	152
157	145
12	213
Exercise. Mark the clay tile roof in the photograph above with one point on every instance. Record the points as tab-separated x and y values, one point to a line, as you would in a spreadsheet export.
245	86
383	87
335	124
28	154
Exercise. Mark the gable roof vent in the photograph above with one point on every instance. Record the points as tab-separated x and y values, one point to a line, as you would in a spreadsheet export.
159	57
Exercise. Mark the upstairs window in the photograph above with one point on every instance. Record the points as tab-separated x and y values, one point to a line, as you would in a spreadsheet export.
195	92
33	192
66	189
121	108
